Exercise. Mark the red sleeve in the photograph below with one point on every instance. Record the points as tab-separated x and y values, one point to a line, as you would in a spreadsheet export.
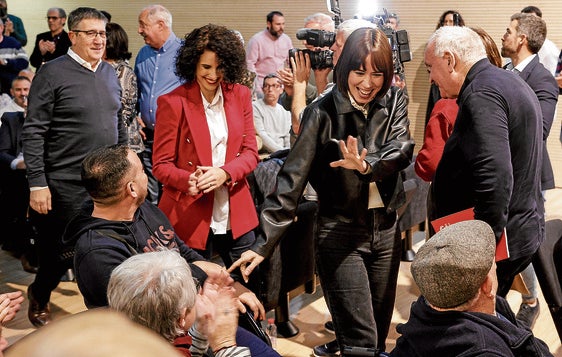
438	130
168	119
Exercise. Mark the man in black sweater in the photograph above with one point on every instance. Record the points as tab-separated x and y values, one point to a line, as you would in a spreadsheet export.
73	109
53	43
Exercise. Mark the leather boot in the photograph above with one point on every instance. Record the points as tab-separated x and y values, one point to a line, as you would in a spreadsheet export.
38	315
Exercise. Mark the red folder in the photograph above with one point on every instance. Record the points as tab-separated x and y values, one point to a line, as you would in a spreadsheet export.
502	251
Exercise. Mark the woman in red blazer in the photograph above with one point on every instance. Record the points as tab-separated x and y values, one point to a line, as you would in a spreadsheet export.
205	145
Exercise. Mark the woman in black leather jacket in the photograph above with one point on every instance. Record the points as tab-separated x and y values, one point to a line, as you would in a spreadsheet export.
353	142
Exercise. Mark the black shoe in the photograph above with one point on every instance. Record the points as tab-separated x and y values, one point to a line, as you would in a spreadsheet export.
39	315
329	326
528	314
329	349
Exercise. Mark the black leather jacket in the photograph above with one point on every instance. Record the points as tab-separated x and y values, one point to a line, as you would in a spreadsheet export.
343	194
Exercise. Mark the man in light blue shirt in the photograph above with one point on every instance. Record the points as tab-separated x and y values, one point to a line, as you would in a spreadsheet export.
155	67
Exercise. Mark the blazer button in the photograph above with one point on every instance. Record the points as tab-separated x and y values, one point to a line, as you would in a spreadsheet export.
190	163
237	154
188	141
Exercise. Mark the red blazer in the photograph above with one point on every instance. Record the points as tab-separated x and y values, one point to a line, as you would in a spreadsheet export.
182	142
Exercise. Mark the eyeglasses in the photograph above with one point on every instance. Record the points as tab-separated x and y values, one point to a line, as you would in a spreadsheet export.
91	34
274	86
53	17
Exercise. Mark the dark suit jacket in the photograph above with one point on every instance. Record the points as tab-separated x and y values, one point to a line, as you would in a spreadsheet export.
14	191
10	137
545	87
492	160
182	142
62	44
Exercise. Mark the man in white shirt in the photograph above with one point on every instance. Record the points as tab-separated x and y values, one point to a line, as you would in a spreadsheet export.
19	93
271	120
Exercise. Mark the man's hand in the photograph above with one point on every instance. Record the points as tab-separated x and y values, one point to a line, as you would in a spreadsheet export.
10	304
8	27
352	160
46	46
247	262
40	200
141	126
559	81
250	299
286	77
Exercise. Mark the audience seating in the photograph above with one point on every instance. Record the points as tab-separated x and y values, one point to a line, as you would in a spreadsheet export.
413	213
292	262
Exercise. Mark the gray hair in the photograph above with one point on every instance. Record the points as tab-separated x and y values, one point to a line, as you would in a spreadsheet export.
159	12
533	27
60	10
152	289
348	26
460	41
320	19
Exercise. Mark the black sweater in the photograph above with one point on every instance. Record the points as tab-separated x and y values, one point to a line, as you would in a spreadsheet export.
71	112
98	252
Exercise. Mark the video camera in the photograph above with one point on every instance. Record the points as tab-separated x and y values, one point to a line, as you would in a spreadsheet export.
317	38
399	41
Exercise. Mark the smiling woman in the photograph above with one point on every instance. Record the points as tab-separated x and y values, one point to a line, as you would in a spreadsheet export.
353	142
205	145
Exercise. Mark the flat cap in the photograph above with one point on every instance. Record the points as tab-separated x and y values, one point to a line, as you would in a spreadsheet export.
450	267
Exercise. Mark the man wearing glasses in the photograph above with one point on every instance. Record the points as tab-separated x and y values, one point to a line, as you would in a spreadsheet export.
53	43
271	120
73	109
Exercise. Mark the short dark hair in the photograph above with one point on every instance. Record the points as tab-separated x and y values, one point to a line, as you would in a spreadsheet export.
20	78
270	16
268	76
117	42
358	46
83	13
532	10
533	27
103	171
218	39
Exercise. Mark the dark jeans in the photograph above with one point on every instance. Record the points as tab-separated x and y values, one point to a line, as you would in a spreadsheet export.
226	247
67	197
154	186
358	269
257	347
506	270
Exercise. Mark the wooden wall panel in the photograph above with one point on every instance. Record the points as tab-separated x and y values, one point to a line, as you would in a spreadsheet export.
248	16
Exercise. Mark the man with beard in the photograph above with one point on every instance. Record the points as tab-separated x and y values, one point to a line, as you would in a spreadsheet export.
521	43
268	50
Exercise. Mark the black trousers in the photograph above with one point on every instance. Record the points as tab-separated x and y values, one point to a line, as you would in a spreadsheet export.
67	197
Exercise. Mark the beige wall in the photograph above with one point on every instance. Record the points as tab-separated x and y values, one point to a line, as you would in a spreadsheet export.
248	16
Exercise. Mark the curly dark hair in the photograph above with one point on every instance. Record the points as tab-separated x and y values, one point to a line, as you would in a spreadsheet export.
222	41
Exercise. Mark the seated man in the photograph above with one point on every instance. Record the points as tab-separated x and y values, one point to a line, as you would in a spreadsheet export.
157	290
271	120
122	223
458	312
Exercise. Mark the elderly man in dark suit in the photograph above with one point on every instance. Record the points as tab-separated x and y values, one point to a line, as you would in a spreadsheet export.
492	159
521	43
